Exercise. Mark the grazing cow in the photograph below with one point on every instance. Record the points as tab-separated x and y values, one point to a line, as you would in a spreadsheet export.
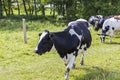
92	20
76	37
100	22
109	26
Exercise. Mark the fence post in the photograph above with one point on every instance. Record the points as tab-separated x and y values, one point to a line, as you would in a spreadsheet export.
24	30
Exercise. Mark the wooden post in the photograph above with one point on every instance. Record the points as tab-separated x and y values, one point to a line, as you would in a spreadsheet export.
24	30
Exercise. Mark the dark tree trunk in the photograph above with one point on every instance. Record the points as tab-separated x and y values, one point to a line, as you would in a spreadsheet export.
25	7
9	7
54	11
5	8
35	8
11	11
18	7
68	10
30	10
43	10
1	11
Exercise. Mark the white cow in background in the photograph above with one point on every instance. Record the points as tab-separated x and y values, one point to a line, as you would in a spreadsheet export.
109	26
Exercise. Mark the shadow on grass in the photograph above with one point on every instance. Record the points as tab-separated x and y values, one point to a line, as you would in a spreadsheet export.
117	36
96	73
116	43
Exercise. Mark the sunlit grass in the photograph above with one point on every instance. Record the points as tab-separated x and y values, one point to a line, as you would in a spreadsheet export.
19	62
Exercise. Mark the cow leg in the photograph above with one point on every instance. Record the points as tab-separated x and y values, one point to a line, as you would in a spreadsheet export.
110	39
69	66
111	34
82	59
67	74
74	65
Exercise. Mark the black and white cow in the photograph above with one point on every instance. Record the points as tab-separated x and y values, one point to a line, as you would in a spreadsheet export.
92	20
100	22
109	26
76	37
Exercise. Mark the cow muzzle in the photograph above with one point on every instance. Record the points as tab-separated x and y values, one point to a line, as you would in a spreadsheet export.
36	51
102	37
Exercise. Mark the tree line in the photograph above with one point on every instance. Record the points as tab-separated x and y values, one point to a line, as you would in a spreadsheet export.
69	9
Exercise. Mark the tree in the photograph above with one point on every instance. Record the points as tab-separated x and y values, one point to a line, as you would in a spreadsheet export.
35	8
24	3
4	6
70	9
18	7
1	11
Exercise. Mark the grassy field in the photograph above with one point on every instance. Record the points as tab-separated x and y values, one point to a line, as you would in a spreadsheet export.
19	62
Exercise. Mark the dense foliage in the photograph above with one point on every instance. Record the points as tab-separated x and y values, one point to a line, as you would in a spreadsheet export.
70	9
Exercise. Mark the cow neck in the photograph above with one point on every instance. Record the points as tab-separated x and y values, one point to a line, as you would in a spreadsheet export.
60	33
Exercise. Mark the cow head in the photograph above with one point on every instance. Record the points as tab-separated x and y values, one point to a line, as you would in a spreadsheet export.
102	37
96	26
93	19
99	24
45	43
103	34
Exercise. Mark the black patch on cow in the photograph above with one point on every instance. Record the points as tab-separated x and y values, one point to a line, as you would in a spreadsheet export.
113	28
107	28
65	43
76	52
85	48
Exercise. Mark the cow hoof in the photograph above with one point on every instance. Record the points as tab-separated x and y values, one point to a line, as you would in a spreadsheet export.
81	64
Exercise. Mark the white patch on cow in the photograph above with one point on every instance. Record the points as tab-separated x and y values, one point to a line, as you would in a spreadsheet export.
82	49
70	23
81	20
41	37
70	60
72	32
83	46
99	16
70	64
67	59
66	76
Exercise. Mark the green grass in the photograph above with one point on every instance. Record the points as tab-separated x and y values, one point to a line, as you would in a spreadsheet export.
19	62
